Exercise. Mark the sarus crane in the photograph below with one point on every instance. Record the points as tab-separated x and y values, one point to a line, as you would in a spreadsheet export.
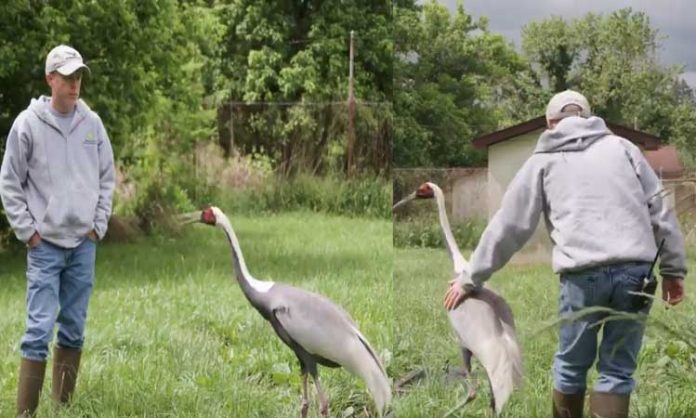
317	330
483	321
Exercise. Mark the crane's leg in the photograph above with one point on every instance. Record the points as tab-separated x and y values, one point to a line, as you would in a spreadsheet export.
466	373
492	404
304	406
323	400
304	371
466	356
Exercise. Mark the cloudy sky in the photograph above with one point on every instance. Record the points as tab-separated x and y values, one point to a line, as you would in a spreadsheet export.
675	20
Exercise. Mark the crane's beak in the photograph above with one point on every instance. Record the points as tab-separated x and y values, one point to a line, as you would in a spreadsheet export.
404	201
189	218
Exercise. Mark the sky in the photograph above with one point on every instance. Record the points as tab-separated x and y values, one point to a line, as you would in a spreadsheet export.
675	21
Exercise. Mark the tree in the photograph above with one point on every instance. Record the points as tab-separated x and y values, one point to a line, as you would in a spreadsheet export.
449	80
296	53
612	60
153	63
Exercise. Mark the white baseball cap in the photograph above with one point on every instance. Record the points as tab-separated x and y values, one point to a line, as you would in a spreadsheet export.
65	60
554	110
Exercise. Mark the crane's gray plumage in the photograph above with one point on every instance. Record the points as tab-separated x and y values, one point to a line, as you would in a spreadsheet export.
483	322
316	329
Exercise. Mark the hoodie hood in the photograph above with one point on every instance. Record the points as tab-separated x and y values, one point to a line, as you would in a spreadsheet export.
40	106
572	134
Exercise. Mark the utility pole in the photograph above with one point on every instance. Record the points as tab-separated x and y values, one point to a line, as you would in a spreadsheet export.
230	123
351	109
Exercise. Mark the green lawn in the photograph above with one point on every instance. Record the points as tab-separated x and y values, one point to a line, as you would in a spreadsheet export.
423	340
170	334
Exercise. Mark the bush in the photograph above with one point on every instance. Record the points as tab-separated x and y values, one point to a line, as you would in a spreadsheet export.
369	197
426	232
158	202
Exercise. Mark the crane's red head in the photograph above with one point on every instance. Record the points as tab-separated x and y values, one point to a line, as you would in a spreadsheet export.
208	217
425	191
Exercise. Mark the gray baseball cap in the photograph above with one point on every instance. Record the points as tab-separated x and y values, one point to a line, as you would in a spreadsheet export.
554	110
65	60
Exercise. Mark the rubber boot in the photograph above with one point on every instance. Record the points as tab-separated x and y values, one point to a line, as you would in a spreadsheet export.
66	362
568	405
609	405
31	377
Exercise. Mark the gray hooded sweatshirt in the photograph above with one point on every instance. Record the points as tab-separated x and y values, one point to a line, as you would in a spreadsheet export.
600	201
59	184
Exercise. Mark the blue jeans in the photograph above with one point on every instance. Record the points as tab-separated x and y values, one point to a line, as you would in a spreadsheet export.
59	284
606	286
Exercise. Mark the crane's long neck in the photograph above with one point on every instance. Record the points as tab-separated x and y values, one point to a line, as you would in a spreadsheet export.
250	286
456	255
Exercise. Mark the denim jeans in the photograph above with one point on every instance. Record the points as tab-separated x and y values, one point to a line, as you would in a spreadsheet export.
59	284
606	286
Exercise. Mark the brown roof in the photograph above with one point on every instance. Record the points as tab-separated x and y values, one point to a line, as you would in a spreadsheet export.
643	139
665	161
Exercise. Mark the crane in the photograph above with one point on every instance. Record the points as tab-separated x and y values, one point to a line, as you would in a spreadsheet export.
317	330
483	322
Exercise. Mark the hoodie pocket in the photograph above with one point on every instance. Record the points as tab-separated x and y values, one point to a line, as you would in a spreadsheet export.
70	215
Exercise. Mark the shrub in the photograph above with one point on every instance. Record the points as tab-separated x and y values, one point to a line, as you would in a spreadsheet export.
370	197
426	232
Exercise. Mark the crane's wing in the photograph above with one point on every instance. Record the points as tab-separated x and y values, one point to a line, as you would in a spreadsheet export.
290	342
314	322
324	330
484	324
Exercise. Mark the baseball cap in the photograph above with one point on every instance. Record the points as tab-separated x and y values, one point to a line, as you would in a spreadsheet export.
554	110
65	60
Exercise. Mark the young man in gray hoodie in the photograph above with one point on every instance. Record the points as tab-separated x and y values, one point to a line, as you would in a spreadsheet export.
603	208
56	185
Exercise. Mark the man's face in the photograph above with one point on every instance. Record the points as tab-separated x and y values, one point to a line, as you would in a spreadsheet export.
65	88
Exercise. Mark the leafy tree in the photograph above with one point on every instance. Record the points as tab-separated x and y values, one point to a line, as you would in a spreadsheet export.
153	63
449	70
612	59
297	52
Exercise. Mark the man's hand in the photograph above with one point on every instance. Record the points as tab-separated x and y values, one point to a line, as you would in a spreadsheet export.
672	289
456	295
34	240
93	236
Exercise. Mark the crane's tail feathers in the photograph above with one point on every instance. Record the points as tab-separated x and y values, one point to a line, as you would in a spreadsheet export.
370	369
504	367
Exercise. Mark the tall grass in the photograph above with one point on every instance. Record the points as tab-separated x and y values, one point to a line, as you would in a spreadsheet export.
366	197
426	233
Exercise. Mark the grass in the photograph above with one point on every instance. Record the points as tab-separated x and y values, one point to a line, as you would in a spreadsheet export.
423	340
170	334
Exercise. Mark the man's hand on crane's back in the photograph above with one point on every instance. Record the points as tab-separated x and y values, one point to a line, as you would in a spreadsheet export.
457	293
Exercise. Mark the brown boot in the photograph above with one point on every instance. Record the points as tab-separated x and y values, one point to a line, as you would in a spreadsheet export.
31	377
568	405
66	362
609	405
